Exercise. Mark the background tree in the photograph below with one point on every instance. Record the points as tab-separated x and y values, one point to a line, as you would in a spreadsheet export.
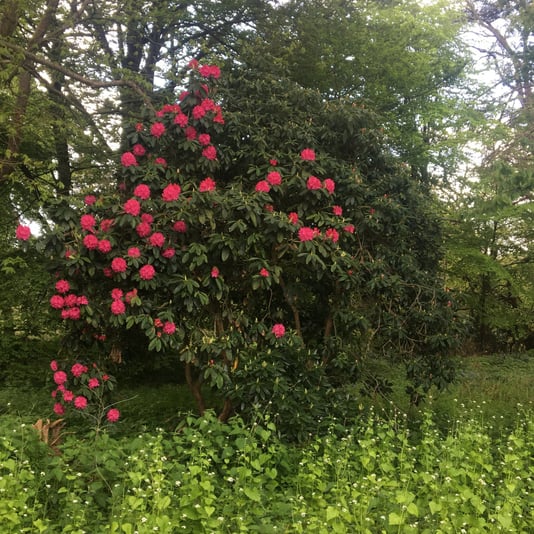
403	59
490	253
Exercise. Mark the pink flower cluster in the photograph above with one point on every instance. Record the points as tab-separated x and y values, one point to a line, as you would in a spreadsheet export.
69	303
167	327
118	300
313	183
278	330
206	185
210	71
171	193
87	380
147	272
23	232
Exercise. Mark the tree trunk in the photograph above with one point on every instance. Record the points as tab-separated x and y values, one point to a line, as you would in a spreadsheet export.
195	388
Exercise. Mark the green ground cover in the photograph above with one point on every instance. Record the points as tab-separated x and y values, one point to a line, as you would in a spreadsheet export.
461	462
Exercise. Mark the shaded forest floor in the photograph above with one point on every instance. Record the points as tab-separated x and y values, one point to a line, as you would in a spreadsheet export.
497	384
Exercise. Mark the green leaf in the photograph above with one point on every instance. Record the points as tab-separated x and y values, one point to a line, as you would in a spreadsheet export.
395	519
331	513
252	493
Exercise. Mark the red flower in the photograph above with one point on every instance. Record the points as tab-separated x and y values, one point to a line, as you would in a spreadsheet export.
59	409
313	183
168	253
161	161
68	395
171	193
134	252
278	330
116	293
306	233
190	133
180	227
57	302
208	104
142	191
308	154
78	370
118	265
80	402
169	328
204	139
143	229
332	234
263	186
210	71
71	300
138	150
113	415
293	217
181	120
264	272
128	160
157	239
214	272
157	129
139	127
90	241
72	313
87	222
62	286
274	178
60	377
104	246
210	152
208	184
82	300
273	162
337	210
198	112
93	383
23	232
118	307
349	228
329	185
147	218
89	200
132	207
53	365
147	272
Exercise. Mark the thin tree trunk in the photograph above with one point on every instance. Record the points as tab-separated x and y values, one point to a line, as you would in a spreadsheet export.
195	388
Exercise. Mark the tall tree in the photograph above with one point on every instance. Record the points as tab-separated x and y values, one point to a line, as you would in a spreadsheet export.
401	58
490	251
97	62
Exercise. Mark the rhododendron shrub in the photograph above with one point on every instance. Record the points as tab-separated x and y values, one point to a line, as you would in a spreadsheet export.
231	275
